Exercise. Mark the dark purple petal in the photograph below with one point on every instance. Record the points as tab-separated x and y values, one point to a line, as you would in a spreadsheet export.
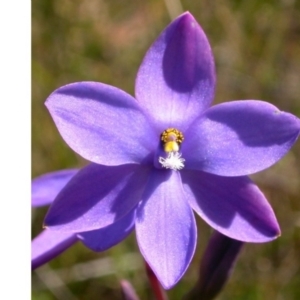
102	123
45	188
107	237
49	244
216	266
239	138
232	205
176	79
165	227
97	197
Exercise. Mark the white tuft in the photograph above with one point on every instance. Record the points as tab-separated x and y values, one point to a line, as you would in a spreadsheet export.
173	161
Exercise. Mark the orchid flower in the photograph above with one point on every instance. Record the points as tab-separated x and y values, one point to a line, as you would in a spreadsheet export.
167	152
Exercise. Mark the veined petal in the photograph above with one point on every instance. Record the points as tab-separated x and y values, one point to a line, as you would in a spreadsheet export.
46	187
176	79
107	237
165	227
102	123
232	205
49	244
239	138
97	197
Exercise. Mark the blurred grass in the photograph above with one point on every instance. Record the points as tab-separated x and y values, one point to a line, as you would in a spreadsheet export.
257	52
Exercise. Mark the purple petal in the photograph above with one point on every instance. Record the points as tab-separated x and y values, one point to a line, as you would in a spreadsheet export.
102	123
107	237
176	79
45	188
232	205
165	227
49	244
239	138
97	197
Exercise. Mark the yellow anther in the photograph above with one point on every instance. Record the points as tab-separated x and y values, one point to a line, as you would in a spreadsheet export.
172	138
171	147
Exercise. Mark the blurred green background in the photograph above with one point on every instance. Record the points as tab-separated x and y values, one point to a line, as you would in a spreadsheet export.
256	45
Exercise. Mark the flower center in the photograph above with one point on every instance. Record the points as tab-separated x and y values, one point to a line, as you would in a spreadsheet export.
171	139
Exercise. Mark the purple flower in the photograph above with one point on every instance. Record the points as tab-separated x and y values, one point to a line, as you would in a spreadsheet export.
138	145
50	243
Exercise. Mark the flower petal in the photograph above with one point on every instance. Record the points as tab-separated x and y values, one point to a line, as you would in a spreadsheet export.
102	123
45	188
107	237
49	244
165	227
232	205
97	197
239	138
176	79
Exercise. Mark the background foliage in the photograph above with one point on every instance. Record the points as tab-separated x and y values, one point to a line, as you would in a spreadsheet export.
257	52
